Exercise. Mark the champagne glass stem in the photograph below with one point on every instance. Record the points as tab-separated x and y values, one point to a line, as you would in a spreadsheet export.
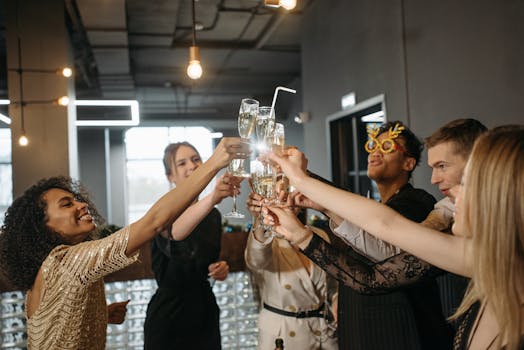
234	213
234	199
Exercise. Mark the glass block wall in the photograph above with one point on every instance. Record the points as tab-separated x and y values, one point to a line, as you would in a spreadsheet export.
235	297
13	334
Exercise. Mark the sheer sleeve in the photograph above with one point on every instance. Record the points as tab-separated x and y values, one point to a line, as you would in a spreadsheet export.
89	261
364	276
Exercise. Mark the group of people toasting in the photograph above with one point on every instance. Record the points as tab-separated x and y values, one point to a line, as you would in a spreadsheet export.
412	273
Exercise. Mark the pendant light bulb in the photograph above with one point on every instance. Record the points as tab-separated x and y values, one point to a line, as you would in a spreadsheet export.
63	101
67	72
288	4
23	140
194	69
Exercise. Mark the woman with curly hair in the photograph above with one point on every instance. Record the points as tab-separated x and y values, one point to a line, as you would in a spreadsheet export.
487	245
47	248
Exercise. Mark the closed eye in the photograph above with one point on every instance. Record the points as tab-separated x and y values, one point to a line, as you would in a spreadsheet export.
65	202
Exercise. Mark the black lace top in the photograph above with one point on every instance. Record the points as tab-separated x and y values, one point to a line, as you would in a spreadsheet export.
392	304
364	276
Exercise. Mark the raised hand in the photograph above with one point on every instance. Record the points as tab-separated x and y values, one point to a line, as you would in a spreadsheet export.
254	204
226	186
285	223
298	199
230	148
296	157
292	162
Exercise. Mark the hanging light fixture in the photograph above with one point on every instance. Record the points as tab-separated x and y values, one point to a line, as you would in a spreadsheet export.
286	4
22	140
63	101
67	72
194	69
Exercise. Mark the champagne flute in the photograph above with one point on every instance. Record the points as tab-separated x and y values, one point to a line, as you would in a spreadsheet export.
265	127
279	139
263	180
247	116
278	145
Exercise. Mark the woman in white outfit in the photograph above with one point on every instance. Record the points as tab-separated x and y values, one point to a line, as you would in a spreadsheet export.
295	293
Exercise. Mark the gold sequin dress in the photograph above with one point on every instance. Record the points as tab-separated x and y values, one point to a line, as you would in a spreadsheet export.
73	310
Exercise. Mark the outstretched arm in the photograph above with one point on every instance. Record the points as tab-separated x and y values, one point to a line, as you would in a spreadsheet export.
373	278
298	199
442	250
193	215
172	204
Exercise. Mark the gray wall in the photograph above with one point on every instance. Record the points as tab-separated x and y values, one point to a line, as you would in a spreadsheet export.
464	59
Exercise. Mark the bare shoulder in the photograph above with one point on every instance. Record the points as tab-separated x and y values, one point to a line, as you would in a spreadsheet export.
35	295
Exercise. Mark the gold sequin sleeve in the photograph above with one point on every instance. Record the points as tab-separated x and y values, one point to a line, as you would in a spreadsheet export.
92	260
73	313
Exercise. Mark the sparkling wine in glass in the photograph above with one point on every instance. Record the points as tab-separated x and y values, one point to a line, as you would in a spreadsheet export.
263	180
247	117
265	127
279	139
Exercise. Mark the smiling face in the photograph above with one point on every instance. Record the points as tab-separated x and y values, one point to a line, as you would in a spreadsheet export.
447	166
68	217
184	162
385	167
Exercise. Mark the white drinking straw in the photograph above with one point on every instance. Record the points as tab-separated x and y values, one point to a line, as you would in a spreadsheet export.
276	93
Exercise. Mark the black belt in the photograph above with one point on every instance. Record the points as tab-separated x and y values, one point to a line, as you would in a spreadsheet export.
302	314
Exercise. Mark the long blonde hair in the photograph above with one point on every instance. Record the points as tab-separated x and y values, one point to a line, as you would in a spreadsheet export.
493	216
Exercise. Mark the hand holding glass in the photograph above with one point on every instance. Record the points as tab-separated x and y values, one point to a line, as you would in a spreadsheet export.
263	180
247	117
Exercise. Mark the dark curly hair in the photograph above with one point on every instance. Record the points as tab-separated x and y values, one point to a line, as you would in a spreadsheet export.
413	145
25	239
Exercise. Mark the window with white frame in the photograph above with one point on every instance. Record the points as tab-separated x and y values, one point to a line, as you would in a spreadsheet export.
6	181
146	178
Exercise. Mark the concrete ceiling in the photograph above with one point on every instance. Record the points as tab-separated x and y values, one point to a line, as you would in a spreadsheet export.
139	49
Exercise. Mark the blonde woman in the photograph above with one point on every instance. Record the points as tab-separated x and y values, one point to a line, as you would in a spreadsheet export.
487	245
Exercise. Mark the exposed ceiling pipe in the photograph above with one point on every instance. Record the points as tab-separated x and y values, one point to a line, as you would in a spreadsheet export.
206	44
86	61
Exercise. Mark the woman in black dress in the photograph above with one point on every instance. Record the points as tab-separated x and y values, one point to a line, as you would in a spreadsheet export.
183	313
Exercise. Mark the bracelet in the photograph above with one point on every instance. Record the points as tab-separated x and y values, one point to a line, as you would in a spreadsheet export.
308	234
